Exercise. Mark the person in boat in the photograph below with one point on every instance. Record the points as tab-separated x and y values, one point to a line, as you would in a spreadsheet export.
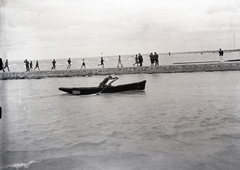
69	63
221	55
104	82
83	64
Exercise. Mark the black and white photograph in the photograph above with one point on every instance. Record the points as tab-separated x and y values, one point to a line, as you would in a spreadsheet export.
119	85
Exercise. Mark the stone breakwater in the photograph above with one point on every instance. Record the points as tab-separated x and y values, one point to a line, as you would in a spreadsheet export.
123	70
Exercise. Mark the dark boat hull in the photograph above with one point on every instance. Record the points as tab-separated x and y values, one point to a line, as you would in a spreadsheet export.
109	89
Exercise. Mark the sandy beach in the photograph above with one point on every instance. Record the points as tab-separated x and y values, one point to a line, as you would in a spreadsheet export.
180	68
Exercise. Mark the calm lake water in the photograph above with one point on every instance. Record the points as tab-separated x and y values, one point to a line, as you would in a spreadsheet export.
181	121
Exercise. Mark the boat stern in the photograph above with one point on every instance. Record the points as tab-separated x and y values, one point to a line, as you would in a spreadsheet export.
141	85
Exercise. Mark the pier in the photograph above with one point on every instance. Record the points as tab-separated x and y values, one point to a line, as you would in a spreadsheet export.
178	68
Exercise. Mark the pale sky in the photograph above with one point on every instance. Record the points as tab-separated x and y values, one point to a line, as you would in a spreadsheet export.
46	29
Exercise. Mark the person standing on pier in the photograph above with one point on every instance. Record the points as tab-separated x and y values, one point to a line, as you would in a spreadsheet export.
151	56
102	63
83	64
140	59
156	59
6	65
119	61
136	60
221	55
31	66
37	65
69	63
54	64
27	65
1	65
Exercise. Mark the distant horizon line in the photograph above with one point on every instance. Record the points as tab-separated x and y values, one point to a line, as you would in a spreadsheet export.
166	53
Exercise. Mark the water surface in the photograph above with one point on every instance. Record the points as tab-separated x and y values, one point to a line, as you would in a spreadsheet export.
181	121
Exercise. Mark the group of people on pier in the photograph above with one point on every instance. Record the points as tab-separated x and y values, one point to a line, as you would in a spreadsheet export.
5	66
2	66
29	65
138	60
154	61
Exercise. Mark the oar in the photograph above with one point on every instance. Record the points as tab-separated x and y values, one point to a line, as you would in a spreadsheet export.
106	86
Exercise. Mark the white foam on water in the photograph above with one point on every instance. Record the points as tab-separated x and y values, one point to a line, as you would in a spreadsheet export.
18	166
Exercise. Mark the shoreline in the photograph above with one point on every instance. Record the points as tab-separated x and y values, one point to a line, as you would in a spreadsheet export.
180	68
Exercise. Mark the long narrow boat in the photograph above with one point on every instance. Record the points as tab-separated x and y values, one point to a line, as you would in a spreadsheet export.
108	89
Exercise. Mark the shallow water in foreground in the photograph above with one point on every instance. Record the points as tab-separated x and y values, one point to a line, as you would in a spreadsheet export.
182	121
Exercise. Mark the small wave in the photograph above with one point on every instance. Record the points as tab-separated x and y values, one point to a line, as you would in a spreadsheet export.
19	166
230	119
226	136
88	144
117	134
167	136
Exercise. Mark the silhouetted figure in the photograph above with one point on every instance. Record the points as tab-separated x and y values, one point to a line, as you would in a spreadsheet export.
221	55
151	56
69	63
102	63
140	59
83	64
27	65
6	65
136	60
37	65
105	80
119	61
31	66
54	64
156	60
1	65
